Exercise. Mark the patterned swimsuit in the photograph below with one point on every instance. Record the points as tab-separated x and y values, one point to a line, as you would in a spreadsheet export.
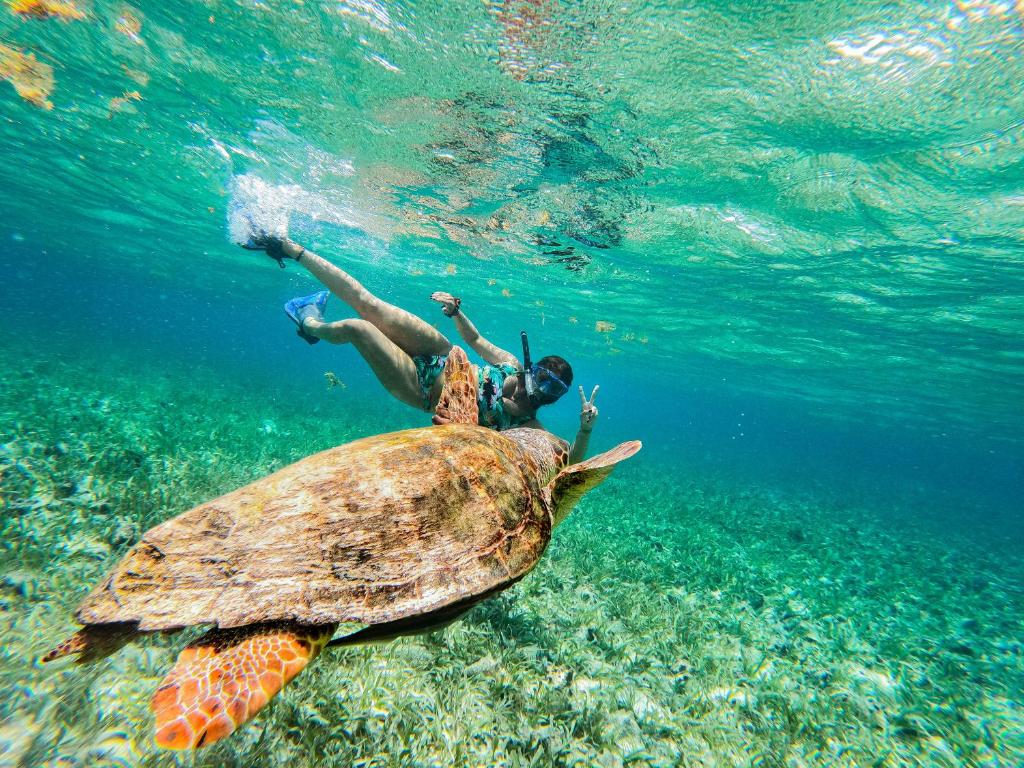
490	381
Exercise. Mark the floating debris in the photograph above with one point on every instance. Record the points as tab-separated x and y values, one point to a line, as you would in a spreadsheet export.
603	326
333	380
129	24
140	77
47	9
31	78
118	103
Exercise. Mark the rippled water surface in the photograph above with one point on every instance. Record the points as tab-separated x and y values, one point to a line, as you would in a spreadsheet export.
787	240
825	198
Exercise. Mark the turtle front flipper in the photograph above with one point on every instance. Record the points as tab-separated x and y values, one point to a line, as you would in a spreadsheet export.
575	480
226	676
95	641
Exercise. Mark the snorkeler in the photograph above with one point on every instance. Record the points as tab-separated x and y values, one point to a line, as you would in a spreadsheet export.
408	355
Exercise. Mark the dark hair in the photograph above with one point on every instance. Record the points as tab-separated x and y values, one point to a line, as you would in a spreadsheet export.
558	366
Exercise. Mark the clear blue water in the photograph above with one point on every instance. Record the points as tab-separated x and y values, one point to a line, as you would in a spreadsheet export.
787	242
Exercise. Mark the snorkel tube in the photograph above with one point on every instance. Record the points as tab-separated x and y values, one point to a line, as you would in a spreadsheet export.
527	364
525	375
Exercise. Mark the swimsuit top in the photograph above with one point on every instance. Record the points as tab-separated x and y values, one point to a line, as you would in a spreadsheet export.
490	404
491	381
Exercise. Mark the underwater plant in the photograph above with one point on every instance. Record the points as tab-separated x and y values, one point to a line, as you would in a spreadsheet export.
737	623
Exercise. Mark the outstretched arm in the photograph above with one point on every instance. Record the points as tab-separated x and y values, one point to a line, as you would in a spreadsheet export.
452	307
588	416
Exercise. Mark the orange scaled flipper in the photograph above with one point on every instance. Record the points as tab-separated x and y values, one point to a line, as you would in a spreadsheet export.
226	676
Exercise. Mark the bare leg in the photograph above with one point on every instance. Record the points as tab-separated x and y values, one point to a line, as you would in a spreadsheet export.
412	335
392	366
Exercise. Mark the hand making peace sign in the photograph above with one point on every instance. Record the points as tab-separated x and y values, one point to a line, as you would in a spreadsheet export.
588	412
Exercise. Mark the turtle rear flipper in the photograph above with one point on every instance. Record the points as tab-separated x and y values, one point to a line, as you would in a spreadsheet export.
95	641
575	480
457	404
226	676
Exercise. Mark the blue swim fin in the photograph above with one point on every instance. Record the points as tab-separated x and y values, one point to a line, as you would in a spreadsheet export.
303	308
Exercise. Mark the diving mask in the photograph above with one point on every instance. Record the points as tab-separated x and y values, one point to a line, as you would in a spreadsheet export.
543	387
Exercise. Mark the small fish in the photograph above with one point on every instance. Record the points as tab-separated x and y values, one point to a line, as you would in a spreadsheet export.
333	380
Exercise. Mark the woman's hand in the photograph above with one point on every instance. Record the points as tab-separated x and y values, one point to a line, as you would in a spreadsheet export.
277	248
273	245
449	304
588	412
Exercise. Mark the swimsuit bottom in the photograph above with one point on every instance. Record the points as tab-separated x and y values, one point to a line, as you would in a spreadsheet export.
490	382
428	368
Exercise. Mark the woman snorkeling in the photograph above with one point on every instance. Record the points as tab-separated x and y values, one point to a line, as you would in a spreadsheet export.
408	355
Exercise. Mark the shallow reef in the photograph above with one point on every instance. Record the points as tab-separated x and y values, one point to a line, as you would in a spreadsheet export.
676	620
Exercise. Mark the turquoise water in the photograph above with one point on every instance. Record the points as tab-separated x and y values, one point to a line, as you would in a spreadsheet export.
785	241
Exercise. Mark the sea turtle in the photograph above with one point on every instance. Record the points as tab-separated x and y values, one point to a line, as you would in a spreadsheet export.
401	532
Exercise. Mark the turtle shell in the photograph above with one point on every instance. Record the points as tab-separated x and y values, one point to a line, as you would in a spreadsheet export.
373	531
